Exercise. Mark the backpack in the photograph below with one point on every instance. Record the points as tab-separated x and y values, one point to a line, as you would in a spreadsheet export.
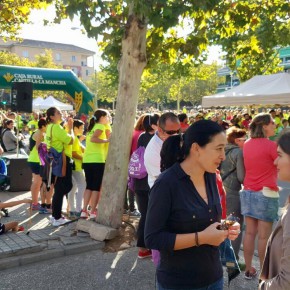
42	153
4	179
136	164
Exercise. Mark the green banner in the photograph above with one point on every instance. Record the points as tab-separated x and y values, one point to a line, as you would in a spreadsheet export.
50	79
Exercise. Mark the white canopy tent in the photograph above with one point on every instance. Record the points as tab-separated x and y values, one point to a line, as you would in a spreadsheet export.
36	102
259	90
52	102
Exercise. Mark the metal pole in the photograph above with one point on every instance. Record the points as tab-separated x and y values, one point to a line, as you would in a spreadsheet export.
96	95
17	133
95	85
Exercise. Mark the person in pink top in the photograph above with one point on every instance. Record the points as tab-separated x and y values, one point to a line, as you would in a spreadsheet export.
138	130
259	197
129	202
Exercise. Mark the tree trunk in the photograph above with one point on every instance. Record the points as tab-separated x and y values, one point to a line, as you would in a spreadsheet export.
131	66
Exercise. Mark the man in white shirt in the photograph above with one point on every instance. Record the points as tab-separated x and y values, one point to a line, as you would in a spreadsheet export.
168	125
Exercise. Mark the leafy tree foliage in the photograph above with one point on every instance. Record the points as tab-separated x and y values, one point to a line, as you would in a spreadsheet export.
45	60
163	83
253	49
14	13
104	86
8	58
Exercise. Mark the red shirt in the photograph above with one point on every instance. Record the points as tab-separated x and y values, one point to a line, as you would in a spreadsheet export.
183	126
246	123
136	134
222	194
259	156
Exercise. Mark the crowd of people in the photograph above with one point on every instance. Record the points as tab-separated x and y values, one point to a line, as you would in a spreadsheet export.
179	202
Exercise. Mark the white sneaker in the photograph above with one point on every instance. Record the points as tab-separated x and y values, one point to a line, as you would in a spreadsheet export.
84	214
51	219
60	222
93	215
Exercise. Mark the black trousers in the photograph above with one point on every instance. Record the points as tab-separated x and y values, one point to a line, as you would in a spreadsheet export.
62	187
142	198
130	195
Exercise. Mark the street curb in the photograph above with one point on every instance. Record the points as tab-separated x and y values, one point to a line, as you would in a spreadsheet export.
22	260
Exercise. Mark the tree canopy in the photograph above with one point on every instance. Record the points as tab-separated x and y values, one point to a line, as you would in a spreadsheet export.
13	14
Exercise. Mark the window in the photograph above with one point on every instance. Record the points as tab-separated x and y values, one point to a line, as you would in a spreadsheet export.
73	58
87	72
57	56
25	53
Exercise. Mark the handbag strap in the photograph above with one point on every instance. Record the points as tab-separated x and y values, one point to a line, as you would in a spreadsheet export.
51	136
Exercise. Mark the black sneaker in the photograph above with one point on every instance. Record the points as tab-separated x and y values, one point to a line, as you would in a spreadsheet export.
249	276
135	213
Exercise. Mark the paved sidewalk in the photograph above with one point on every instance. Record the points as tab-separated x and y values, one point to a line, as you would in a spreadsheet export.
46	242
40	240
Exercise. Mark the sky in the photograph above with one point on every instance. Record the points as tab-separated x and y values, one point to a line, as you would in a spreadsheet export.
70	32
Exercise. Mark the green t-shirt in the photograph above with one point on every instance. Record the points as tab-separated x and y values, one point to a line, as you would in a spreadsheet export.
95	152
76	147
60	139
32	125
33	155
107	127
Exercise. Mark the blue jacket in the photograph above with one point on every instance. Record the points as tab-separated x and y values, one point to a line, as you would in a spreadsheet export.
57	161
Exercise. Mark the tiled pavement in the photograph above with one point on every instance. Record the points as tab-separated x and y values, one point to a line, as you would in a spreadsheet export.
39	239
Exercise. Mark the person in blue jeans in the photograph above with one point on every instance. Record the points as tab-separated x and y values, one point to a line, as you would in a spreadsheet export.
184	213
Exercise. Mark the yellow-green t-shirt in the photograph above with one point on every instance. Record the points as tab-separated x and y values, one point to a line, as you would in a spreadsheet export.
76	147
33	155
107	127
278	123
32	125
95	152
60	139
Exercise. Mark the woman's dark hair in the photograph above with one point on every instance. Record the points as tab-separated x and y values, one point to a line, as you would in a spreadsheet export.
148	120
41	123
182	117
78	123
8	122
177	147
96	118
201	132
171	151
49	113
284	142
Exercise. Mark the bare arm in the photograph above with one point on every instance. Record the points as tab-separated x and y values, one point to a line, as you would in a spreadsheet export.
95	138
210	236
69	126
38	137
75	155
13	203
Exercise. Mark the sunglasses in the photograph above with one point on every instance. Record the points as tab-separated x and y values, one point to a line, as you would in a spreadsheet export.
171	132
